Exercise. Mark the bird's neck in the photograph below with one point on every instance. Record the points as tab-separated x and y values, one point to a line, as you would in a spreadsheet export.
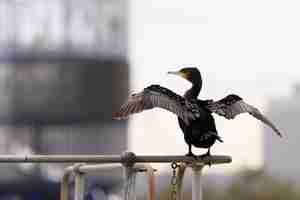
193	92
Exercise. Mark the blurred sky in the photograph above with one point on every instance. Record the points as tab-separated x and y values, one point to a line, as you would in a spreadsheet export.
250	48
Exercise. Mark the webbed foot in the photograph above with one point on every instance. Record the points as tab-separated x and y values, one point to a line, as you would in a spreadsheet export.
190	154
207	154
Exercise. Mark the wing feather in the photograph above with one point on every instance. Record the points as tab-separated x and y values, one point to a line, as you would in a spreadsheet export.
233	105
156	96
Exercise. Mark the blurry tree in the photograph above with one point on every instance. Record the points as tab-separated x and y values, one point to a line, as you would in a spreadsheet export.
257	184
246	185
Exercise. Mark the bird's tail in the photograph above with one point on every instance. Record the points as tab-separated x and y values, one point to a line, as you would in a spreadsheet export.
217	136
219	139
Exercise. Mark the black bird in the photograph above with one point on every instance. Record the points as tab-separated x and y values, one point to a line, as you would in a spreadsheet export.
194	115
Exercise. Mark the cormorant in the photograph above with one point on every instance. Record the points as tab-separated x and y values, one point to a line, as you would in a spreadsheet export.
194	115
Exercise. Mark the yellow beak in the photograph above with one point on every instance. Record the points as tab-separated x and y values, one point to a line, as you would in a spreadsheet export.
178	73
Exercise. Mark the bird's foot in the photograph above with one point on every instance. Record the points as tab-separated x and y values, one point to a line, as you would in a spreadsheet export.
190	154
204	156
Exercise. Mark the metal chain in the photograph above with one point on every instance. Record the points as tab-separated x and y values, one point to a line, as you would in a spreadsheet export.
174	166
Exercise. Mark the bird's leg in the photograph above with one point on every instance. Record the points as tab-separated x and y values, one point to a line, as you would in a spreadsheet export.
190	153
208	152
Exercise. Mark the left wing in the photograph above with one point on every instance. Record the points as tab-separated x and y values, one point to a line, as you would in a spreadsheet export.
156	96
233	105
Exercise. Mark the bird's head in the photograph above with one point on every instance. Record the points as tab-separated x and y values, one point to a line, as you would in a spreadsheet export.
192	74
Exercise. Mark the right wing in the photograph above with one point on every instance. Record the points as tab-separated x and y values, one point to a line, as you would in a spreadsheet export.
233	105
157	96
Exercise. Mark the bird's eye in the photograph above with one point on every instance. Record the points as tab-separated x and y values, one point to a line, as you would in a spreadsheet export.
183	70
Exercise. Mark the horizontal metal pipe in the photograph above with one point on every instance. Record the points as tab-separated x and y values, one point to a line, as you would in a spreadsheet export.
217	159
60	158
90	168
98	168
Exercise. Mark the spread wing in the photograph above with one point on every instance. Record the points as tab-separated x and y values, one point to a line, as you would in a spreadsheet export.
233	105
156	96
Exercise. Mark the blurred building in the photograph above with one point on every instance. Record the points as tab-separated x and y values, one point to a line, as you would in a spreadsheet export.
63	72
281	155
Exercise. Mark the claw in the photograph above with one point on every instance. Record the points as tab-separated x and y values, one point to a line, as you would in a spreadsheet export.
190	154
207	154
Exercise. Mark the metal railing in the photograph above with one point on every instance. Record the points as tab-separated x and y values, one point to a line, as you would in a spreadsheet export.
130	163
80	169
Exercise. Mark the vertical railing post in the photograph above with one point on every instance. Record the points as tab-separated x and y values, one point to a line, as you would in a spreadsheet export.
128	161
151	182
197	181
64	191
129	184
79	183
